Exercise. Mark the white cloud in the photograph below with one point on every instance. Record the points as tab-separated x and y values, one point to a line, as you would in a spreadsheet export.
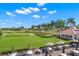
36	16
31	8
27	10
41	4
20	11
44	9
52	12
34	9
24	11
9	13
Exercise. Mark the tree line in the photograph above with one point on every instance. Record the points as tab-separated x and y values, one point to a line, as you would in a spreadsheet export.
56	24
14	28
52	25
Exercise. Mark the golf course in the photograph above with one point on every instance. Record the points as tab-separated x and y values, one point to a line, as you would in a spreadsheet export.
20	40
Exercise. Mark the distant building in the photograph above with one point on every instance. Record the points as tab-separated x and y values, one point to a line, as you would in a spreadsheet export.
71	33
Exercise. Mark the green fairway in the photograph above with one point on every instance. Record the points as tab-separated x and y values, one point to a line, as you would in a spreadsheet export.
22	40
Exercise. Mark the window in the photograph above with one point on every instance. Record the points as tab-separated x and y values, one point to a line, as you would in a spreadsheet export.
75	37
70	36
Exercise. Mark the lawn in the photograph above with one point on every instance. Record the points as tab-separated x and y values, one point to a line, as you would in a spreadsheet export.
22	40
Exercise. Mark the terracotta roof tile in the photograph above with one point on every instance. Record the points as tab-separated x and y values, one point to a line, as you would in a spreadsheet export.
70	31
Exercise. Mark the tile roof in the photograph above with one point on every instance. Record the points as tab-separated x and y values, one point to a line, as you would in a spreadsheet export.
70	31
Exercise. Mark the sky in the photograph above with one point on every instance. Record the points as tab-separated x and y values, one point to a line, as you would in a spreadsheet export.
28	14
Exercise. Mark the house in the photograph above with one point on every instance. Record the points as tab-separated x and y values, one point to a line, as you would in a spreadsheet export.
69	34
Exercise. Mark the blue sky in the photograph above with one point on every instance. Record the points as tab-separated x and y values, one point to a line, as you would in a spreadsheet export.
27	14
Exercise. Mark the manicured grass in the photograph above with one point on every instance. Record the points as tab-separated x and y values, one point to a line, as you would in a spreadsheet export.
22	40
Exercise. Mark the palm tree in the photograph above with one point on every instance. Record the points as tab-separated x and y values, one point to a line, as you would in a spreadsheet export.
47	27
33	27
52	24
39	27
44	26
22	27
77	26
60	24
71	22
